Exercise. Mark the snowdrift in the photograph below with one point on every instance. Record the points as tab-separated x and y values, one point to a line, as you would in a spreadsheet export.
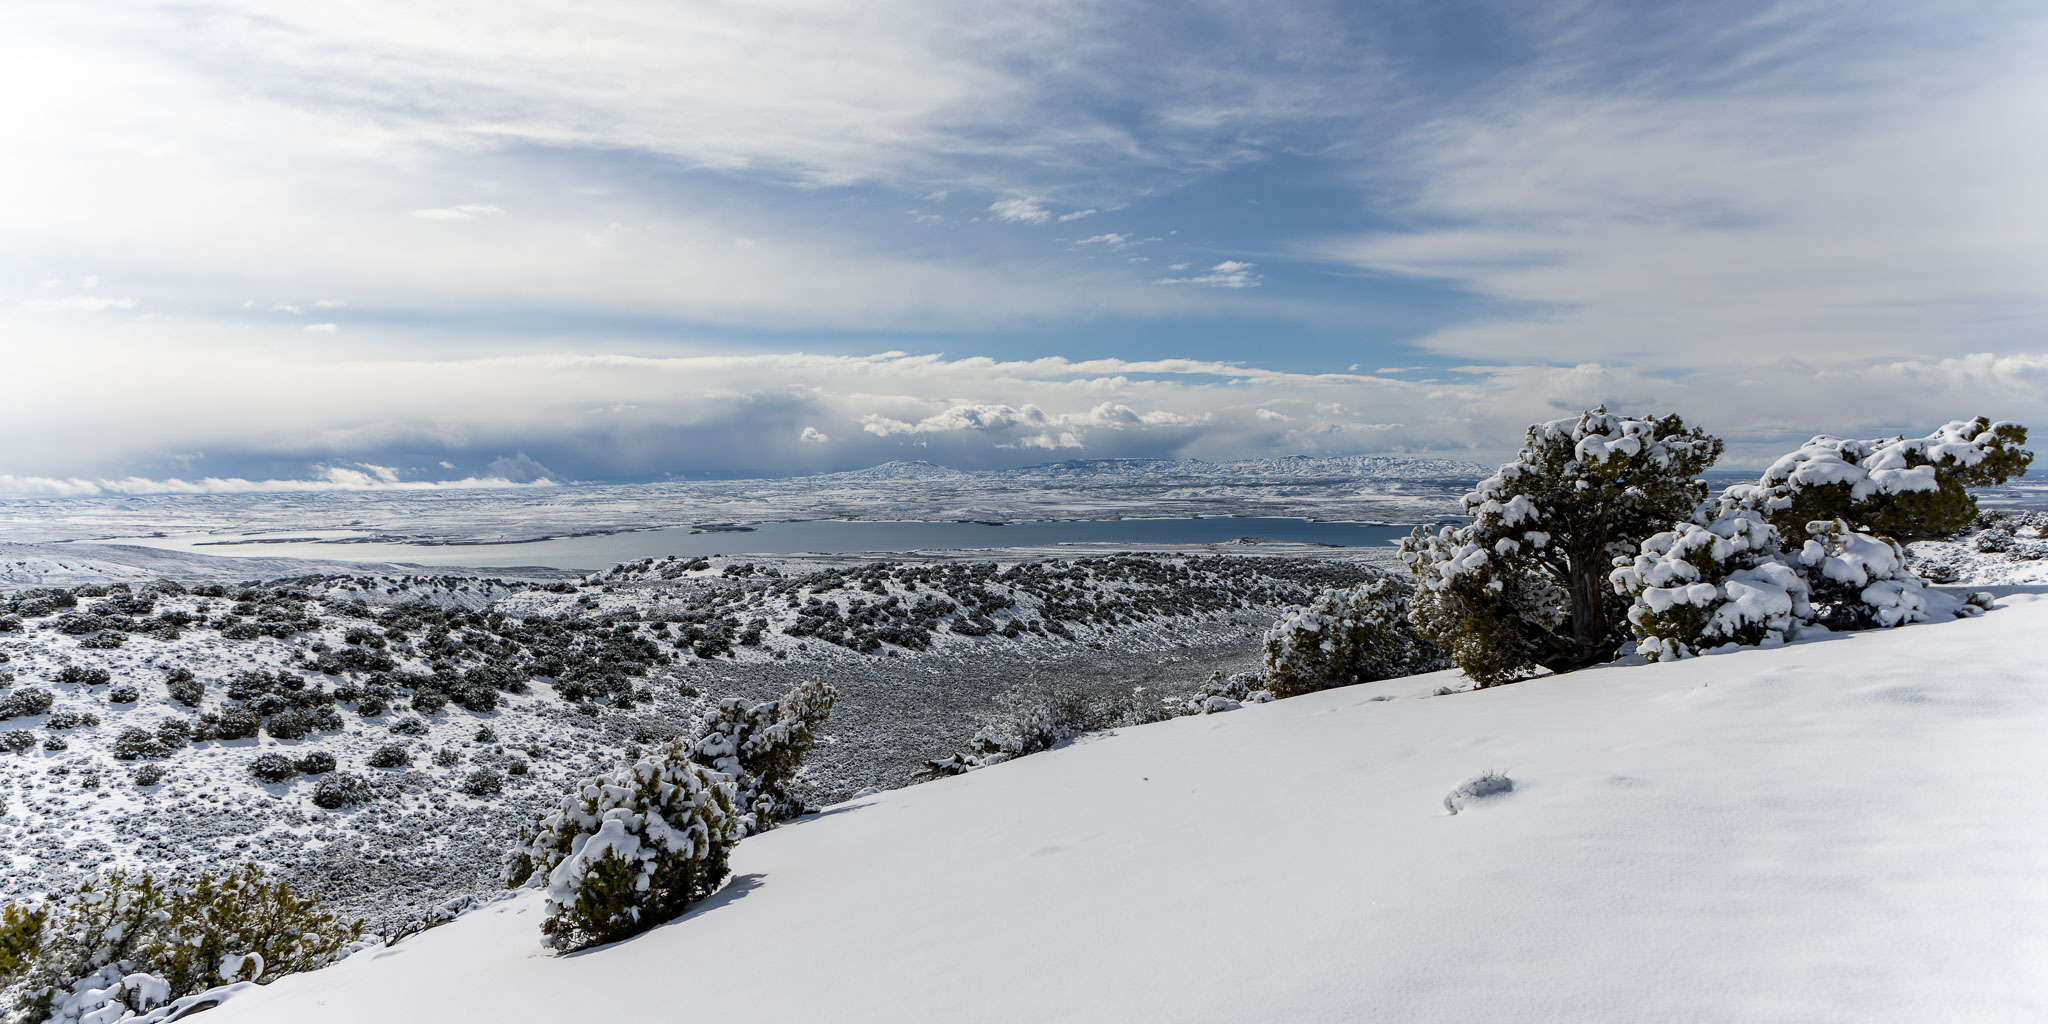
1853	828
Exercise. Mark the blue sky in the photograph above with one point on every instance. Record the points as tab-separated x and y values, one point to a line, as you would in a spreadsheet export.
380	244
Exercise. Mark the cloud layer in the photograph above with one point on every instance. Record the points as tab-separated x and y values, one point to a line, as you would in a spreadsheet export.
259	246
505	421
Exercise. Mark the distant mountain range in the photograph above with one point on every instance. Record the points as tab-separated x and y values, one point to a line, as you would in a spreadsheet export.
1290	468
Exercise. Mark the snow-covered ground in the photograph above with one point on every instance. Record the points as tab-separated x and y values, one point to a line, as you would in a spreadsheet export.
1852	828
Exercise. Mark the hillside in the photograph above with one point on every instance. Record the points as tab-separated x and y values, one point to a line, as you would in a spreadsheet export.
1844	829
501	693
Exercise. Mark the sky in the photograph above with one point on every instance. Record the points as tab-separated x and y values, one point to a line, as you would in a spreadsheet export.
364	244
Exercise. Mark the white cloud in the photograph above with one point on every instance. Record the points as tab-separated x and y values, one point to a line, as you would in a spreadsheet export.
1019	210
1830	184
331	478
466	211
322	328
76	304
814	436
1110	239
1227	274
1076	215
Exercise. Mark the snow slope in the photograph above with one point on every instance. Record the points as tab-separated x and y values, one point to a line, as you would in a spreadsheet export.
1851	828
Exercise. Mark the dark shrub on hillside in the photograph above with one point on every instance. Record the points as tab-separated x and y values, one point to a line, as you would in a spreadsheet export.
342	790
483	782
17	741
290	724
390	755
409	727
319	762
184	687
273	768
231	722
134	742
72	720
174	733
24	702
77	676
104	640
149	775
124	695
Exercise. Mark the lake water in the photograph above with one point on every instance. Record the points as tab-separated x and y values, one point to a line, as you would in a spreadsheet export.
819	536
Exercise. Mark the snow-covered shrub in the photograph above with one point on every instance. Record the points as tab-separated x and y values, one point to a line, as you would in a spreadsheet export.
71	720
123	695
17	741
318	762
273	768
134	742
1227	693
127	942
24	702
1345	636
342	790
76	675
1860	581
1704	586
174	733
761	746
1026	728
409	727
184	687
390	755
631	848
148	775
483	782
234	721
1524	584
1903	489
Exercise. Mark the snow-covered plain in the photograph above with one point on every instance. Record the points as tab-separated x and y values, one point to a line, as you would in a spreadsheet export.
1351	488
1853	828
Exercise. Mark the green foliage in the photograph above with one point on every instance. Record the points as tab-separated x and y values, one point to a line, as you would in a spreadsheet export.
141	940
761	746
21	935
631	848
1902	489
1524	584
1345	636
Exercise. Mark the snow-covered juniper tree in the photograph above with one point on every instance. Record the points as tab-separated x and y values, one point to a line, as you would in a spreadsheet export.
1904	489
1525	584
1346	635
761	746
1816	541
631	848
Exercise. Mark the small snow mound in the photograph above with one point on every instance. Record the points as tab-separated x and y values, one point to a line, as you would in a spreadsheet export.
1479	788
